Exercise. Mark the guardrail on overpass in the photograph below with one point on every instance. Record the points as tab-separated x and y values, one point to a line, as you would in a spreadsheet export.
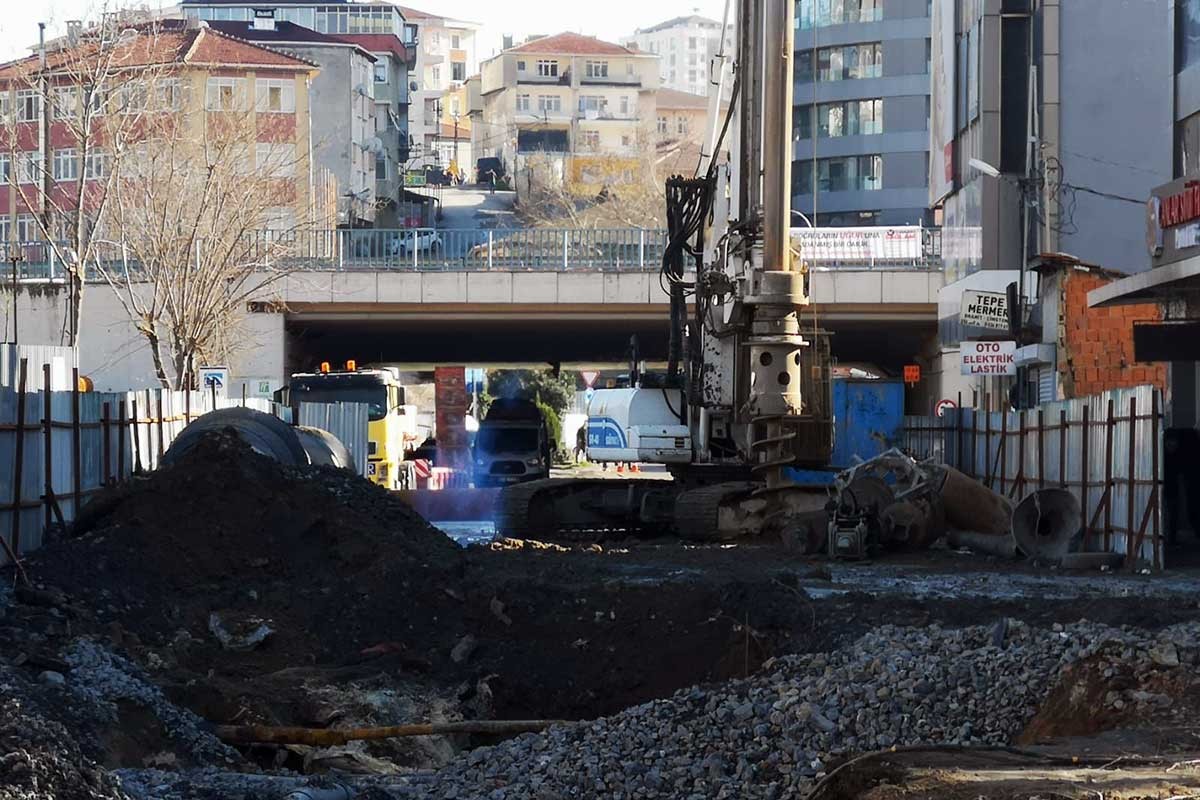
453	250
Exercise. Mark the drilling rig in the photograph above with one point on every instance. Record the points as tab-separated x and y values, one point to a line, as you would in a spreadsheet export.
747	392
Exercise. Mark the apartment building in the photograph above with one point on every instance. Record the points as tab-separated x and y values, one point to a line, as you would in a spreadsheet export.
344	125
445	57
378	150
455	134
199	75
860	132
684	45
568	96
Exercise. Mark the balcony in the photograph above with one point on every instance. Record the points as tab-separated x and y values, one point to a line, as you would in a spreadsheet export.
620	81
544	80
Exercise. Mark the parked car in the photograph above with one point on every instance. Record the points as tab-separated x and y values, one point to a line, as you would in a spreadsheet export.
427	241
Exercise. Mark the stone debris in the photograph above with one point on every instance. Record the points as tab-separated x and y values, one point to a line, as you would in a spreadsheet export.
773	734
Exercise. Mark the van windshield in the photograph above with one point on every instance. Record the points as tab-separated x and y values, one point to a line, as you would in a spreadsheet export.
506	440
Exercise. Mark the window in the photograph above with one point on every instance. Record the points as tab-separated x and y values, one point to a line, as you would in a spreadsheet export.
691	76
5	105
455	41
458	70
592	103
662	125
693	42
276	96
131	98
5	168
522	102
547	69
681	125
851	118
626	140
381	167
29	106
66	164
549	102
381	71
851	62
455	107
590	140
29	167
95	166
596	69
97	99
27	228
410	33
435	39
170	94
848	174
822	13
277	160
65	102
520	66
693	59
435	75
624	105
225	94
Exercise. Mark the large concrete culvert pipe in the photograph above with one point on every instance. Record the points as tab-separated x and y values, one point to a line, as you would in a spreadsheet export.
1047	523
266	435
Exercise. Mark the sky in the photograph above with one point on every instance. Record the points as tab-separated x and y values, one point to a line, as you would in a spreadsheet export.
609	19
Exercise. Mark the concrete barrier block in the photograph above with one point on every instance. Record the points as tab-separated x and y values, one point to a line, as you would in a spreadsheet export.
308	287
535	287
399	287
629	287
583	289
489	287
855	288
444	287
355	287
907	287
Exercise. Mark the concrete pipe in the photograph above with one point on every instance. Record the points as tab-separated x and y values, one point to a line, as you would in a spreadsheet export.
971	506
266	435
324	449
1047	523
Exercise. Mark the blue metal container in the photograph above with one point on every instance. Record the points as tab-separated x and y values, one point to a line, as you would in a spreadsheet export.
868	421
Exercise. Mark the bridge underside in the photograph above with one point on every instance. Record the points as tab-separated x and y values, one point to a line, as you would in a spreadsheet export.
477	335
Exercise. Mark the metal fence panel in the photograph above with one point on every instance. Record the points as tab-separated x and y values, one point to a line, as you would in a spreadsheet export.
346	421
1106	450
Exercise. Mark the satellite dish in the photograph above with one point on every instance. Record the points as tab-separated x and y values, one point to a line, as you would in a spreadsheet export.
413	86
373	145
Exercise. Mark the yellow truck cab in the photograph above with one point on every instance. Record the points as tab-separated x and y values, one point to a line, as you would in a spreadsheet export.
392	425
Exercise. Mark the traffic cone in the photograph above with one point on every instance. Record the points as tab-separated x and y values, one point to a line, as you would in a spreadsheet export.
635	468
620	469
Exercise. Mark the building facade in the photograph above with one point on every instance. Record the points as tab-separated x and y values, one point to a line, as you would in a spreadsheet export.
445	57
860	127
567	95
684	45
376	146
1050	126
199	87
344	120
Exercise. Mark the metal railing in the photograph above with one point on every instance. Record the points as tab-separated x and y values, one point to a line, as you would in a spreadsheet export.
442	250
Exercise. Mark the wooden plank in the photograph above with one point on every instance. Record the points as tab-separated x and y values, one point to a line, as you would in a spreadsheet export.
1041	446
1085	470
161	437
1064	436
1156	493
76	446
106	445
137	445
121	430
1109	429
48	443
1132	476
19	461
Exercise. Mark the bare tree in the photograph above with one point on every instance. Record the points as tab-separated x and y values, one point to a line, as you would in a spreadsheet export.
210	217
75	108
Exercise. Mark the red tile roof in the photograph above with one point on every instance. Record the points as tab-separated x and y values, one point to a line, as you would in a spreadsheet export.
573	44
161	44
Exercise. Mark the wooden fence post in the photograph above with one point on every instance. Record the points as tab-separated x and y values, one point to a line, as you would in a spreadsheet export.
76	446
1085	472
161	446
958	439
19	459
48	443
1156	491
987	446
1064	431
1041	450
137	445
106	450
1109	430
1130	533
1002	456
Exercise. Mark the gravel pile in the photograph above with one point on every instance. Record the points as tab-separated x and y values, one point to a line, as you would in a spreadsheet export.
770	736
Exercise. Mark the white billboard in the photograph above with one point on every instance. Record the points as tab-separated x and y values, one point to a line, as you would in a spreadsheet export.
984	310
989	358
858	244
942	102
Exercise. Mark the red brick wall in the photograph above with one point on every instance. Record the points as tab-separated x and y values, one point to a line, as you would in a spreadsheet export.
1096	344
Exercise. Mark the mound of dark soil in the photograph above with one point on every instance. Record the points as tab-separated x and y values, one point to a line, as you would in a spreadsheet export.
230	533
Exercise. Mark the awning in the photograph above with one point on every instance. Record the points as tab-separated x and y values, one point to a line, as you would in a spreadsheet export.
1152	286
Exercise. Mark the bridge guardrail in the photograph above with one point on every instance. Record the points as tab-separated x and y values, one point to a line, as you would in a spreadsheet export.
444	250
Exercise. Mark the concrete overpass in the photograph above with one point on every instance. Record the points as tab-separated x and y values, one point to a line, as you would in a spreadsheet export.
576	304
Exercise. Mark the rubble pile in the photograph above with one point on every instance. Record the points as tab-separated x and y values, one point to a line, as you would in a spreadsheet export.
230	549
773	734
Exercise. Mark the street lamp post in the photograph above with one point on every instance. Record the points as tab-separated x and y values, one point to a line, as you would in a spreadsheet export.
1021	185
